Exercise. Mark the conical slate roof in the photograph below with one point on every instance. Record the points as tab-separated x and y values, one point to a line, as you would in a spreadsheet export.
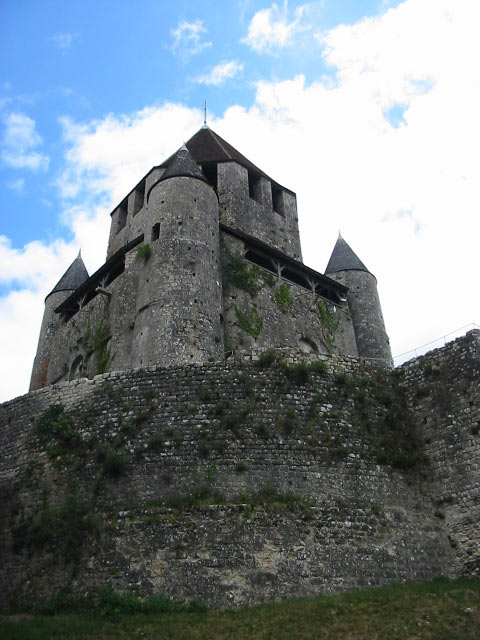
343	258
182	164
73	276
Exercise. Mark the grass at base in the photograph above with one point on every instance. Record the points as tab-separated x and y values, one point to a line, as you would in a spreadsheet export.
436	610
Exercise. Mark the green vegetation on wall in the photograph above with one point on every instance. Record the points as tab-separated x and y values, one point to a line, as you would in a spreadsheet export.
250	321
283	298
62	530
243	276
143	253
330	324
96	341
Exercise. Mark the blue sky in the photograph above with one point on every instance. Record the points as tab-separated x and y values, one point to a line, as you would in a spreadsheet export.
368	109
88	59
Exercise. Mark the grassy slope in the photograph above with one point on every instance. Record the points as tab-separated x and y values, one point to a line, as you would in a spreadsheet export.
438	610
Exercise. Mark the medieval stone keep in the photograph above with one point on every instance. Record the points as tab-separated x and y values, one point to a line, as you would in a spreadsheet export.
211	419
204	261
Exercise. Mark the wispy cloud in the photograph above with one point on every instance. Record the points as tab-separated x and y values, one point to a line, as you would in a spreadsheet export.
63	41
221	72
187	39
270	29
17	185
19	141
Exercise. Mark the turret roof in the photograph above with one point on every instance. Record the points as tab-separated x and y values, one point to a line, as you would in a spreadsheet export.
343	258
182	164
73	277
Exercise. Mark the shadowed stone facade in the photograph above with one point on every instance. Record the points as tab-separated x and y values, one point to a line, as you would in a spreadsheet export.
244	482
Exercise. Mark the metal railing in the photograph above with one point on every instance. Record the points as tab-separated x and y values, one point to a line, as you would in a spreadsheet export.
433	344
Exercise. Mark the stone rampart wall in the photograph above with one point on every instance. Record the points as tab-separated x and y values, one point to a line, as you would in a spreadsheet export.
243	482
443	387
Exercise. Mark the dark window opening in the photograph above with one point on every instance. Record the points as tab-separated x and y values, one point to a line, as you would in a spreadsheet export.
155	232
76	368
327	293
138	197
116	271
295	277
121	214
307	345
277	200
255	186
260	260
209	170
291	275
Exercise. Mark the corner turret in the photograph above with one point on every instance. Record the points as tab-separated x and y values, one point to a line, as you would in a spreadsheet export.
367	318
73	277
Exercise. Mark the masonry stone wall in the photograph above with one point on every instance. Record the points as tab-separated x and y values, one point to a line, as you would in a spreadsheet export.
444	388
244	482
99	335
293	321
366	313
178	307
257	217
47	340
181	305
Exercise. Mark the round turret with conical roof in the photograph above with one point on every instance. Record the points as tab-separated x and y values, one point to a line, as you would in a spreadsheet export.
179	293
73	277
363	301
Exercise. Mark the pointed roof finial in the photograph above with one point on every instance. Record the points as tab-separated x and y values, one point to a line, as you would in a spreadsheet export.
205	115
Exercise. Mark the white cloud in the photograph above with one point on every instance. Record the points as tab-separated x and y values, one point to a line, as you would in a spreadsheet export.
109	156
33	264
20	318
221	72
17	185
270	29
63	41
33	271
19	141
187	39
405	197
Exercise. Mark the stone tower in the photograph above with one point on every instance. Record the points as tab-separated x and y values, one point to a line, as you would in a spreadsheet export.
204	261
179	294
365	309
71	279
